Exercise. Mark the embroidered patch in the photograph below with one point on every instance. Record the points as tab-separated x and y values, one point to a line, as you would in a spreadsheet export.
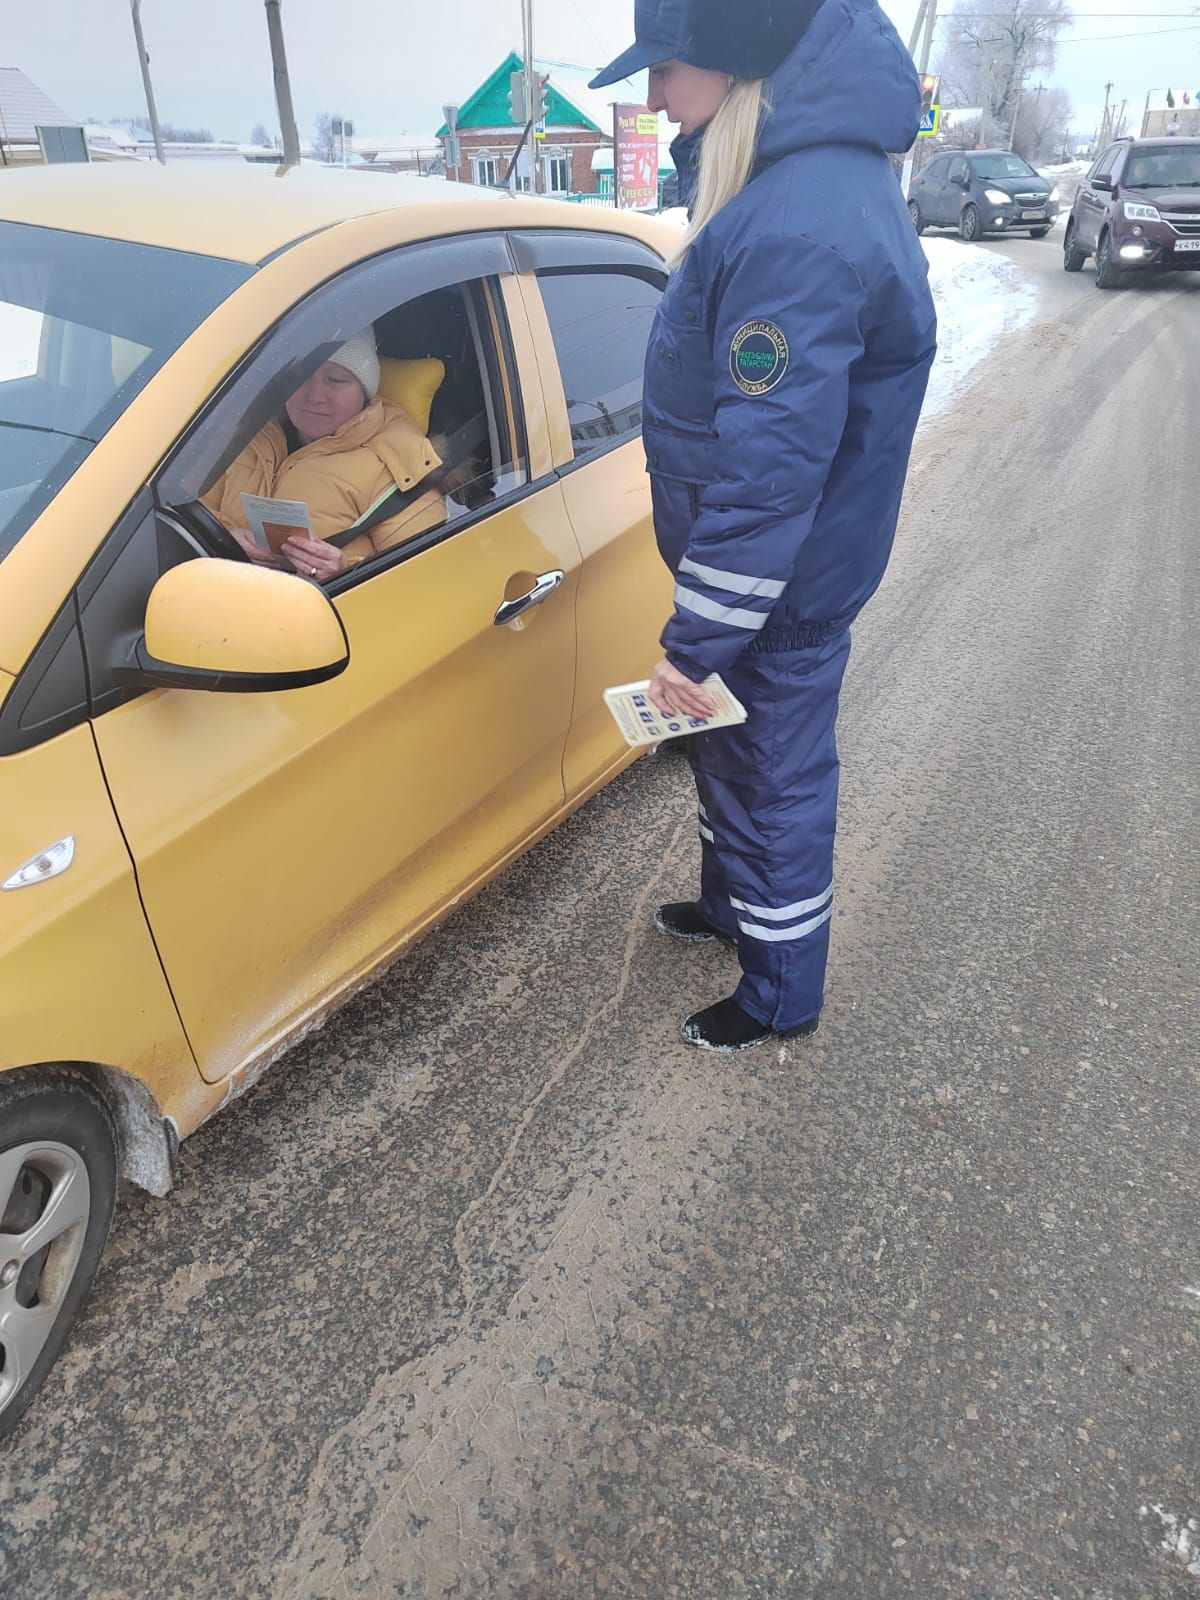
759	357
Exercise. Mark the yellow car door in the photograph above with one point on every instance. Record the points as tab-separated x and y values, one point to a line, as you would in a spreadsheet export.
591	299
286	843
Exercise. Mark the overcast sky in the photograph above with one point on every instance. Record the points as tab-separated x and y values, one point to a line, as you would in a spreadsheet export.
390	64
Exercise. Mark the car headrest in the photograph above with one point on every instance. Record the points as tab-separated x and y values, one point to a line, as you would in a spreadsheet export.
412	385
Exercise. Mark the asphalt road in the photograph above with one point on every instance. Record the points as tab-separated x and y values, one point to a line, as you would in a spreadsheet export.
496	1289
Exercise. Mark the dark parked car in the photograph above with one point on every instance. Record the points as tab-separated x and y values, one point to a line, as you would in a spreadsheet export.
980	192
1138	210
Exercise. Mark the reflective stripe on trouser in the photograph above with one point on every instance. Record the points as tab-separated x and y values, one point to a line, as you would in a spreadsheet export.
768	798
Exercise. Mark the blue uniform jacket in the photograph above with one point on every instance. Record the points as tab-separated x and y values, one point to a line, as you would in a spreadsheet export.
789	359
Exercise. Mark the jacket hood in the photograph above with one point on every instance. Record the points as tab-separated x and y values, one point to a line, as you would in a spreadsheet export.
849	81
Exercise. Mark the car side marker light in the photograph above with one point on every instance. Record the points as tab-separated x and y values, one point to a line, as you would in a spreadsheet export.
47	864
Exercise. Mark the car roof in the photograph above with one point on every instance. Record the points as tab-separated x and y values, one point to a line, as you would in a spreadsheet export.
249	212
1163	138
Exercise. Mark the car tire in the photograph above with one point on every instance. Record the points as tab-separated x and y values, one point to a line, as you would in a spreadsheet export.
1038	233
1073	256
918	221
1108	276
970	227
58	1171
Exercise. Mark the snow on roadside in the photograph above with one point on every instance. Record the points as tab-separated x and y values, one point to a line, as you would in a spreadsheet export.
981	299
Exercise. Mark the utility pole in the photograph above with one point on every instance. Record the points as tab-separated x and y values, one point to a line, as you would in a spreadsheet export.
1106	122
926	18
531	93
283	85
135	7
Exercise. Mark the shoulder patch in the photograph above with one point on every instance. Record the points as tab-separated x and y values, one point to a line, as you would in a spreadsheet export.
758	357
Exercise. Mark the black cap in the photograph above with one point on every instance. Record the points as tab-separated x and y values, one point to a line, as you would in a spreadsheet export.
746	38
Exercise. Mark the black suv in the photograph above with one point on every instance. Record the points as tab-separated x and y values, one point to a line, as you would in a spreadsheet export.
980	192
1138	210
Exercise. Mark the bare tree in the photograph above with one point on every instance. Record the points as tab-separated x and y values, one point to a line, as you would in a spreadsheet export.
326	144
992	48
1043	123
260	137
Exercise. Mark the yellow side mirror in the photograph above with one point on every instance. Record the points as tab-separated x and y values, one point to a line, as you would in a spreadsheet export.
220	625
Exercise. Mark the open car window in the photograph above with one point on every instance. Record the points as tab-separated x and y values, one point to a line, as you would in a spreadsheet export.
445	363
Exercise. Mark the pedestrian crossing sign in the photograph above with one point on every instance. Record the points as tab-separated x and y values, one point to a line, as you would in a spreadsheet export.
930	123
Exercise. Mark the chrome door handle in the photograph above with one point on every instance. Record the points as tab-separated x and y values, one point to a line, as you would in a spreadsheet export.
542	590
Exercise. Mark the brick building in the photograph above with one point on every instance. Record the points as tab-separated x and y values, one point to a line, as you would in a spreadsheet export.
579	123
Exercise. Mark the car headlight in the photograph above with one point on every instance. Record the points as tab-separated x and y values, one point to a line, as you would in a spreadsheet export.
1137	212
997	197
1053	196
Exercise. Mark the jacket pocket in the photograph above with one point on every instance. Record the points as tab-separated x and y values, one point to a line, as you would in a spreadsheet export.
693	496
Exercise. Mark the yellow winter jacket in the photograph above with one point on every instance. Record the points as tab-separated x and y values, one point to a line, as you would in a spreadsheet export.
340	479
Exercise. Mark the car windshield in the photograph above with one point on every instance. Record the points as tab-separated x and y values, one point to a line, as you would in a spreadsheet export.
85	323
1002	166
1164	167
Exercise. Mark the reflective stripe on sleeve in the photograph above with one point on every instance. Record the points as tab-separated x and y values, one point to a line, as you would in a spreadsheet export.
733	582
731	616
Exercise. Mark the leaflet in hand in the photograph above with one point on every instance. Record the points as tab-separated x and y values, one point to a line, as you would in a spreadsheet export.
641	722
273	521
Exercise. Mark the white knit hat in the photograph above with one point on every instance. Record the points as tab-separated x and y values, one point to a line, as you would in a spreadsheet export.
359	356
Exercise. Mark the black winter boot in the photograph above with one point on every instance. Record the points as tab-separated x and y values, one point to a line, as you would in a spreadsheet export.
684	921
726	1026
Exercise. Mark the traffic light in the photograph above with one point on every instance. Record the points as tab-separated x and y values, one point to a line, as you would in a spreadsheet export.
537	111
518	100
930	83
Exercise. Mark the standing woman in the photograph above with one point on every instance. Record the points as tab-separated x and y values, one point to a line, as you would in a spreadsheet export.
785	375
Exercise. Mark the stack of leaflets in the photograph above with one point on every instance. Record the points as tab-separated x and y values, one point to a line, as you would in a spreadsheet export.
641	722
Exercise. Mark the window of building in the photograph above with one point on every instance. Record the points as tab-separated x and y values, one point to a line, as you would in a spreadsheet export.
601	325
486	171
558	175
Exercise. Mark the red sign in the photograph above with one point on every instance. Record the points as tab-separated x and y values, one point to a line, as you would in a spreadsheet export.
636	157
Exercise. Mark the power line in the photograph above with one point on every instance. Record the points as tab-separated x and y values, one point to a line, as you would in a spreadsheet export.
1099	38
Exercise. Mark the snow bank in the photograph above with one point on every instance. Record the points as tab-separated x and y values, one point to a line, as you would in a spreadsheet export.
981	299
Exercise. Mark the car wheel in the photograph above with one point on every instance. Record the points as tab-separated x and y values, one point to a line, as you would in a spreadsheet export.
1038	233
918	221
58	1184
1108	276
1073	256
968	224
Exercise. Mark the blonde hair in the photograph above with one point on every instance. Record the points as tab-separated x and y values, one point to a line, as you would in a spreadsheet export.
728	153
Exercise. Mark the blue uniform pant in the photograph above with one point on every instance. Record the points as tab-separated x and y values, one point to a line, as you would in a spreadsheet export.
768	814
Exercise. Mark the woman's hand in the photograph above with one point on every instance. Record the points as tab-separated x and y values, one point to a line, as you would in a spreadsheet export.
673	694
314	558
255	551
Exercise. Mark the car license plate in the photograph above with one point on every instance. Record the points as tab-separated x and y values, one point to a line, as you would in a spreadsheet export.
1031	216
1187	244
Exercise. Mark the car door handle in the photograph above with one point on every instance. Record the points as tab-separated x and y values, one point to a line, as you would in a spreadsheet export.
542	590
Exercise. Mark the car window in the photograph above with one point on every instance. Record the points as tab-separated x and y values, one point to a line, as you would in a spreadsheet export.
441	443
936	169
601	325
84	324
1163	167
998	166
958	170
1103	167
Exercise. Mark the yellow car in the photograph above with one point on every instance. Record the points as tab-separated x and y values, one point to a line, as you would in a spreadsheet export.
228	795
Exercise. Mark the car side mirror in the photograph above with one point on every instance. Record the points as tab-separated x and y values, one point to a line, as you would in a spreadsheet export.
1104	184
233	628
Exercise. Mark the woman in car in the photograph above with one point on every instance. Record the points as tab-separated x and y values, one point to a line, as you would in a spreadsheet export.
785	375
341	449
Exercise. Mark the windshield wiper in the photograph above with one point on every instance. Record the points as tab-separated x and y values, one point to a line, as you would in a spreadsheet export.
34	427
